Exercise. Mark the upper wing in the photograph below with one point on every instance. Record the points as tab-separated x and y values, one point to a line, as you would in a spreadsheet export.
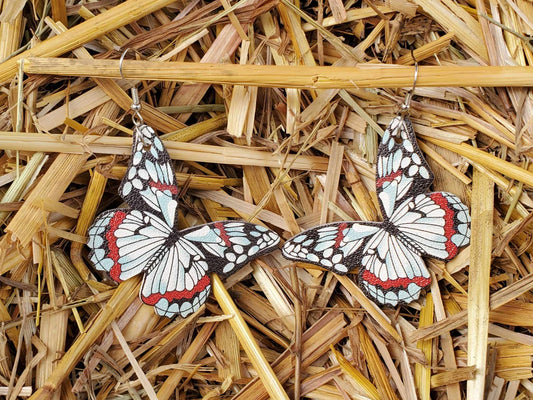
434	224
123	241
150	183
229	245
401	170
334	246
392	273
177	281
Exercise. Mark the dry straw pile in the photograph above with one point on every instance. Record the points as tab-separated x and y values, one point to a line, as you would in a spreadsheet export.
272	111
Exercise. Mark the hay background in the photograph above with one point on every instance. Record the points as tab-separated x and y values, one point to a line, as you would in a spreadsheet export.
291	147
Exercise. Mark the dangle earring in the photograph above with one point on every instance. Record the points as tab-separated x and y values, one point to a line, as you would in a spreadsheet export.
145	239
415	224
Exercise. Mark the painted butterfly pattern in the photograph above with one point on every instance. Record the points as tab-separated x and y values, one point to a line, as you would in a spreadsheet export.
415	224
143	239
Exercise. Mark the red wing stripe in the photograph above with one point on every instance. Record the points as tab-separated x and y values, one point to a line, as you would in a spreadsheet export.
394	283
176	294
388	178
340	234
449	230
223	234
115	222
161	186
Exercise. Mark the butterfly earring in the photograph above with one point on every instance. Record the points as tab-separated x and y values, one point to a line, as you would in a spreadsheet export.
144	238
415	224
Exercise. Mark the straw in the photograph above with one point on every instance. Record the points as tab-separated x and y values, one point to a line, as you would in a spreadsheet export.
478	316
301	77
272	112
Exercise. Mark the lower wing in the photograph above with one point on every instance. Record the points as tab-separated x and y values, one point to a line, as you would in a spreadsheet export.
391	272
177	281
123	241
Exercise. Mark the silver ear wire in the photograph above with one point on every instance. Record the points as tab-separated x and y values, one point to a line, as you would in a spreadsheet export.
136	104
407	103
121	61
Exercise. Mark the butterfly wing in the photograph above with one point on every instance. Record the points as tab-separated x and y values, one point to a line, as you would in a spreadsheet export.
336	246
434	224
229	245
123	241
150	183
177	281
401	170
392	273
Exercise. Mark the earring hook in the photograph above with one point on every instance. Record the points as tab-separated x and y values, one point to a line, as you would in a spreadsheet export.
121	61
407	103
136	104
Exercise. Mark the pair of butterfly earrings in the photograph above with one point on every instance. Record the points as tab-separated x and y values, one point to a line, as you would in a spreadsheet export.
176	264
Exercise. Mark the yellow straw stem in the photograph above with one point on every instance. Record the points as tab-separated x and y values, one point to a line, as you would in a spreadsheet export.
287	76
479	281
248	342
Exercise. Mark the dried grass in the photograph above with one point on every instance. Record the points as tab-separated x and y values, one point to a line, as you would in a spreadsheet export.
272	111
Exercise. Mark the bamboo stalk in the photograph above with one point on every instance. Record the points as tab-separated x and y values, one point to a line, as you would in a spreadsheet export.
78	35
177	150
287	76
263	368
478	282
